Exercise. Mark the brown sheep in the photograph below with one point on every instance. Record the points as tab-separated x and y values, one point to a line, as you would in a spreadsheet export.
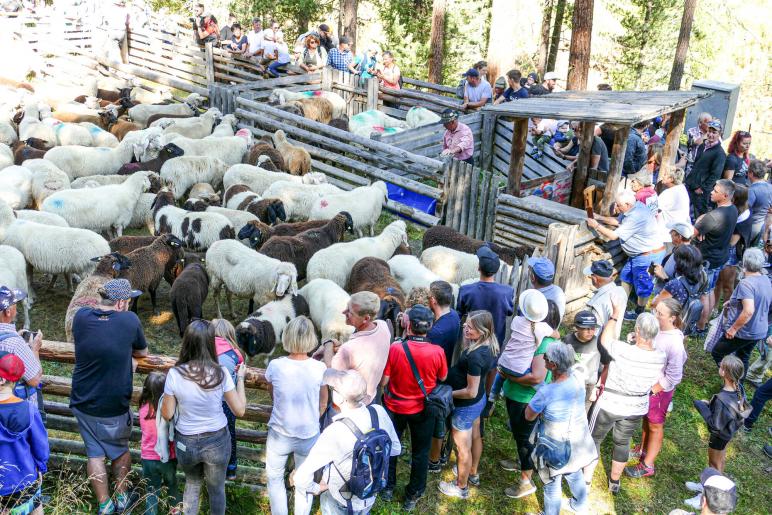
318	109
189	292
439	235
259	232
115	126
127	244
64	116
264	147
373	274
23	150
297	159
149	265
168	151
4	81
340	123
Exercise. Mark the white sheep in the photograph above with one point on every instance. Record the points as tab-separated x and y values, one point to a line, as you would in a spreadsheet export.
408	271
282	96
6	156
105	209
47	178
185	171
140	113
13	274
94	181
247	273
367	122
451	265
364	204
143	96
8	134
142	216
193	127
420	116
16	186
326	302
226	127
229	149
258	179
41	217
70	133
78	161
299	199
99	136
31	126
335	262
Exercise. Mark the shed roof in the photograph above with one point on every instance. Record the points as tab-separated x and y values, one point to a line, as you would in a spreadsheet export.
618	107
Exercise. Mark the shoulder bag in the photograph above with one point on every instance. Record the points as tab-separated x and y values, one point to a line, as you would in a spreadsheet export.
438	403
549	451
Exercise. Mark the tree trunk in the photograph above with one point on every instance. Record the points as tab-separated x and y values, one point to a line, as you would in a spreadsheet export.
504	30
303	19
350	21
544	40
642	55
557	25
581	39
437	43
682	47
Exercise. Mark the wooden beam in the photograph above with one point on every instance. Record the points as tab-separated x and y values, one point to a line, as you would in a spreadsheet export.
615	168
582	164
372	93
487	137
676	128
517	157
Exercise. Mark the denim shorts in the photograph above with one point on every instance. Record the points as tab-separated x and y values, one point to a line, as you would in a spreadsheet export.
462	419
732	261
636	272
104	436
712	274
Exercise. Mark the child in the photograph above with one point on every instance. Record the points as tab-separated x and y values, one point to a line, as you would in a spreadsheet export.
543	130
282	59
23	444
229	356
155	470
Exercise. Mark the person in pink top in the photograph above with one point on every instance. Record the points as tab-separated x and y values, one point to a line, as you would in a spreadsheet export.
458	141
159	471
669	340
229	356
645	193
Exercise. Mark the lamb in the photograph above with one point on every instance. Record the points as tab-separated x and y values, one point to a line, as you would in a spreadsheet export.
117	127
226	127
318	109
335	262
13	274
23	151
86	294
183	172
148	265
373	274
299	249
46	180
410	274
297	159
269	210
263	329
299	199
102	209
228	149
126	244
41	217
258	179
246	273
140	113
264	147
194	128
326	302
204	191
440	235
66	250
16	186
84	161
365	204
188	293
99	136
451	265
169	151
258	232
6	156
282	96
420	116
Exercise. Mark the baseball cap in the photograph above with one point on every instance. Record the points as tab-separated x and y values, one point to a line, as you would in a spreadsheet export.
120	289
11	367
684	229
501	82
551	76
585	319
471	72
448	115
324	27
542	268
715	124
489	260
533	304
601	268
421	318
534	76
348	383
720	492
10	296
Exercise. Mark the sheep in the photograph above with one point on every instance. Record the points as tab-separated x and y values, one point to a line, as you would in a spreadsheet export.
340	123
76	117
203	229
23	151
46	180
299	249
299	199
420	116
102	209
367	122
269	210
127	244
204	191
70	133
440	235
244	272
140	113
95	181
238	218
335	262
86	294
451	265
167	217
226	127
194	128
228	149
16	186
410	274
282	96
259	179
13	274
49	249
142	216
183	172
265	163
326	302
148	265
99	136
117	127
262	330
258	232
297	159
169	151
41	217
143	96
364	203
161	116
8	134
318	109
83	161
373	274
264	147
188	293
32	127
6	156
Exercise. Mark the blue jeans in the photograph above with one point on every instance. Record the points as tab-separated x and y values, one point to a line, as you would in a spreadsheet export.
277	448
498	382
204	457
276	67
553	497
636	272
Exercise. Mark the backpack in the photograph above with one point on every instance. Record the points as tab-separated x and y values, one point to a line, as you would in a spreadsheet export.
691	309
369	461
460	89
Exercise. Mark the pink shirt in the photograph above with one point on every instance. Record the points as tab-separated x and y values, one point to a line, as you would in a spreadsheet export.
672	344
150	436
460	141
367	353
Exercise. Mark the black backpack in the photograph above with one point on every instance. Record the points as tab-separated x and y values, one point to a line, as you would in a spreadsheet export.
691	309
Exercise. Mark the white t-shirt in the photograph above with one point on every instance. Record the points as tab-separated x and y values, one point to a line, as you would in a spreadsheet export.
255	40
269	48
283	53
296	385
631	375
673	205
200	411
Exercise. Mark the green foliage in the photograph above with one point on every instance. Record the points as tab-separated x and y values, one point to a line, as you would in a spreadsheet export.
407	26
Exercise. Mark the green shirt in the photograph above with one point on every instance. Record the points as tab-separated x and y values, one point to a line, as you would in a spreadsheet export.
521	393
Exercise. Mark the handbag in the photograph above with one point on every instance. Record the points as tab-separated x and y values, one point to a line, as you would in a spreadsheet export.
438	403
726	318
554	453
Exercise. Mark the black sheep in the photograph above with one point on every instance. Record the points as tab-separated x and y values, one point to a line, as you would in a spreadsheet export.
259	232
439	235
262	330
169	151
189	291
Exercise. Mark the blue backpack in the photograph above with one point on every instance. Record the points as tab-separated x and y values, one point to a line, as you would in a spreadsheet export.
369	461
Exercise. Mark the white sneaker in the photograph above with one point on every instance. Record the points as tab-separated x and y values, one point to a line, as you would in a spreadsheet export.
695	502
693	487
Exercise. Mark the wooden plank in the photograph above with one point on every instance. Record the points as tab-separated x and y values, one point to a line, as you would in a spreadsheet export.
675	129
209	59
429	85
617	159
466	174
372	93
197	56
579	181
475	204
493	194
517	158
544	207
168	70
487	137
156	77
231	71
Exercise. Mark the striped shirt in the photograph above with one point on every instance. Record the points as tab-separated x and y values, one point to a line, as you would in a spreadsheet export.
16	345
631	375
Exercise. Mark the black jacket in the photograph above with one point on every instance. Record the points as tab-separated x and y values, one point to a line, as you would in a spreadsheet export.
707	168
722	413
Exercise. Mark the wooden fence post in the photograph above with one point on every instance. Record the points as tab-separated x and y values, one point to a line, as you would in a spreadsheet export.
559	247
372	93
326	78
615	167
517	157
582	164
676	128
125	45
209	64
486	143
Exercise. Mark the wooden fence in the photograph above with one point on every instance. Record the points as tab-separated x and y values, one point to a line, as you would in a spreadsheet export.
471	199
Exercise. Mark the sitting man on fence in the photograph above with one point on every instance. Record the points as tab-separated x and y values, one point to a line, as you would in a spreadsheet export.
458	141
477	91
341	58
637	229
107	338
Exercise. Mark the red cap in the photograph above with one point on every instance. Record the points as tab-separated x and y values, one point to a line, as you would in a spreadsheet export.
11	367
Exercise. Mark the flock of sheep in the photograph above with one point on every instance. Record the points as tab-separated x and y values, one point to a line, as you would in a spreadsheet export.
223	212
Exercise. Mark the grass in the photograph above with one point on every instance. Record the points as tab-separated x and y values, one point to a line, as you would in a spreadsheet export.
683	456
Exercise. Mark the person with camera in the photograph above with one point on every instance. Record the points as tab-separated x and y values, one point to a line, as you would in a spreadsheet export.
414	369
24	344
204	26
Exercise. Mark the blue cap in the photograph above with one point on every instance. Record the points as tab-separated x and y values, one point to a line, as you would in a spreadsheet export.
120	289
10	296
586	319
421	318
489	260
600	268
715	124
471	72
542	268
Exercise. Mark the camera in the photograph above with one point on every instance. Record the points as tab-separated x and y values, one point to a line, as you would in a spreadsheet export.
28	336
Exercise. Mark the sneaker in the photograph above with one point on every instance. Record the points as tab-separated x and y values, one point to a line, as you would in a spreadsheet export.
525	488
768	451
410	503
631	316
386	494
614	487
451	489
435	466
473	479
693	487
636	452
700	333
694	502
509	465
640	470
